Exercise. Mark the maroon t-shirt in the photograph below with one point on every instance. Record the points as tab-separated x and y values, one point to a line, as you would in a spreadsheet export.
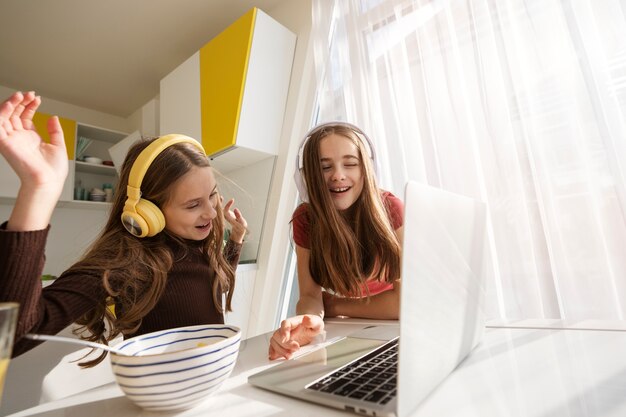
395	211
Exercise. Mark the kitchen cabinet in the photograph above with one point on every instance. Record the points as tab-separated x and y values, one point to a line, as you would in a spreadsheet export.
93	175
231	96
40	120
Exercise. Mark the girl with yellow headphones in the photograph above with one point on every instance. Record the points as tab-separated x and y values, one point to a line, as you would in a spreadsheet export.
348	235
160	259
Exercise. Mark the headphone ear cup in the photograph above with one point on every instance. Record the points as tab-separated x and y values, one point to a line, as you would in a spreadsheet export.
299	179
152	215
301	186
134	223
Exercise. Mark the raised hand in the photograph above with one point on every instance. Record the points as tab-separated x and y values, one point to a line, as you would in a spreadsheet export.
41	167
36	162
239	225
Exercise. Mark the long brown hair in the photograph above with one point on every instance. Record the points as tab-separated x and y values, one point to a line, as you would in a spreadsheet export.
349	246
133	270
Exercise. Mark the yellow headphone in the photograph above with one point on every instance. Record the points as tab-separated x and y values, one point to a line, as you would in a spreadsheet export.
142	217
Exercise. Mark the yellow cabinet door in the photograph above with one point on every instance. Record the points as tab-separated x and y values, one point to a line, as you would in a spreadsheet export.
223	67
231	94
40	121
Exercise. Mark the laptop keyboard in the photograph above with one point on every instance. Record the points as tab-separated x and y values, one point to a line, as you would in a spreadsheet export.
372	378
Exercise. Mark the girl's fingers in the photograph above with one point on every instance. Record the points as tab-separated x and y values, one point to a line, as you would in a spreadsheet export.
271	354
281	344
56	132
238	215
278	351
16	122
284	332
13	110
8	106
291	334
229	204
19	106
22	105
29	112
312	323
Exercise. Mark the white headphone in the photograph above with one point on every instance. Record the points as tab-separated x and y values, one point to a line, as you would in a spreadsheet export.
299	178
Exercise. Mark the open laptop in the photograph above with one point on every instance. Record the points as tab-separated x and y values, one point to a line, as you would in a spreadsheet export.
441	318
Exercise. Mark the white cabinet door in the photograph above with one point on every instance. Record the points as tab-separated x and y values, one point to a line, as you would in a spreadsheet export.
9	182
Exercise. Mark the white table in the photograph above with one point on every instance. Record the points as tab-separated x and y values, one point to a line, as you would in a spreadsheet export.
527	370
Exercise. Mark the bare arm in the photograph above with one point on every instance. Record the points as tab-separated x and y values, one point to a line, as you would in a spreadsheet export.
300	330
383	306
310	301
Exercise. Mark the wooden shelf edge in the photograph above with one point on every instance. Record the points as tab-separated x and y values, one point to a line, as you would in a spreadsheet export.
89	205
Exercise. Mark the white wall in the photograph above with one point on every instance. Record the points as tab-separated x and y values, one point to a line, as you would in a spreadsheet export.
249	187
181	86
73	112
72	231
242	297
146	118
275	242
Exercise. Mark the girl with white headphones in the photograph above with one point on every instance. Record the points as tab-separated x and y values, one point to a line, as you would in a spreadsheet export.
160	260
348	235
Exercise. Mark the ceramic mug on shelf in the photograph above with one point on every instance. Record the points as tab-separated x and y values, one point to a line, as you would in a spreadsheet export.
79	193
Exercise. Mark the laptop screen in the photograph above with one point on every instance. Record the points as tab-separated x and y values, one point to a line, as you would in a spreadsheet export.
441	318
442	313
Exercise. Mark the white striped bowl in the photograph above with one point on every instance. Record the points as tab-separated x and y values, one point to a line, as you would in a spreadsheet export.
176	368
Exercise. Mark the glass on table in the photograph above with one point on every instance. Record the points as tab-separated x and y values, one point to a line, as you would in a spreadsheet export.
8	321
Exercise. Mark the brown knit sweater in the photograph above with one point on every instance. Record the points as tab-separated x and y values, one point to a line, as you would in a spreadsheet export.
187	299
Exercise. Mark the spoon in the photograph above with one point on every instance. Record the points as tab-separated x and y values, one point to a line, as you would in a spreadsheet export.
81	342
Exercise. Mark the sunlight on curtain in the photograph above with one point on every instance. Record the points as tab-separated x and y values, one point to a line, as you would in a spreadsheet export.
517	103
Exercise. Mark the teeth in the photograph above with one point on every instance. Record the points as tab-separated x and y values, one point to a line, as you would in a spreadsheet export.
339	190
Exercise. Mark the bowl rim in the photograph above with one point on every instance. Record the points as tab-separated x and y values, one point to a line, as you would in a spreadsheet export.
128	342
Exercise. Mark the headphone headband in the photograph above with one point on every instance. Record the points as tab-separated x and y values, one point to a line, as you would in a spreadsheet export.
141	217
145	158
367	143
298	177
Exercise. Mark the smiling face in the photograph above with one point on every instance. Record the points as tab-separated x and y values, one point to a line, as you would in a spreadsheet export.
341	167
191	209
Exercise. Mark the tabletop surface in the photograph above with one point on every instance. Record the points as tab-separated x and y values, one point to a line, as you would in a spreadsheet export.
523	369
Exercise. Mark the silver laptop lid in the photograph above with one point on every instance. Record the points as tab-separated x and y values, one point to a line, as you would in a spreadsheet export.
442	294
441	313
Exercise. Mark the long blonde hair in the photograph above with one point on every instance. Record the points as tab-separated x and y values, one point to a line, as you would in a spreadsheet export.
348	246
133	270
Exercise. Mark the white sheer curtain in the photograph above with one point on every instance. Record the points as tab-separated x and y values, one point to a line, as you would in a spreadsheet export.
518	103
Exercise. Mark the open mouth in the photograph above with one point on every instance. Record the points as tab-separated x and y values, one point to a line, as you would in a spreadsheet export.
204	226
339	190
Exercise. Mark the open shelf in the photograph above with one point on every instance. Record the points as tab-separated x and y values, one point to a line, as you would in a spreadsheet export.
95	168
88	205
